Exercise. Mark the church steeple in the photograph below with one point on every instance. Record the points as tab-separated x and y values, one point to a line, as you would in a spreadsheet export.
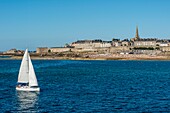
137	34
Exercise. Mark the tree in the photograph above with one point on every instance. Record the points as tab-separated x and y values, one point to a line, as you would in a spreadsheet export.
49	51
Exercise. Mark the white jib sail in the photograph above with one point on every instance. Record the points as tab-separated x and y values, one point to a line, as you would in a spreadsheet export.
32	76
24	69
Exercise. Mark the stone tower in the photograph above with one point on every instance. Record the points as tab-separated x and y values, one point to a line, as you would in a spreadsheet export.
137	34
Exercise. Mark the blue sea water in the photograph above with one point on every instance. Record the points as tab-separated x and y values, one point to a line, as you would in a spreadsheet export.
88	86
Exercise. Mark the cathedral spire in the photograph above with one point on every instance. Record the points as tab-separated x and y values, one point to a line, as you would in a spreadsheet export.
137	34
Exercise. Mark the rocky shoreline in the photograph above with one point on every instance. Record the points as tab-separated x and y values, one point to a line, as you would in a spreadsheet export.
93	57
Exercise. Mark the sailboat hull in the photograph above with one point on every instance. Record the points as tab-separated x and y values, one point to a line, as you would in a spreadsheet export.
27	89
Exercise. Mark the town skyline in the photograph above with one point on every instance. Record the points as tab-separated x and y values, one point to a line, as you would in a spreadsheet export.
31	24
136	37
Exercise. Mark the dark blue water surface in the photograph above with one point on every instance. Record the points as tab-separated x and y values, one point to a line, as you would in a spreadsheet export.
88	86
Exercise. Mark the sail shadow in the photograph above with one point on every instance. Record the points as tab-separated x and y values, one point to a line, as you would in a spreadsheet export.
27	101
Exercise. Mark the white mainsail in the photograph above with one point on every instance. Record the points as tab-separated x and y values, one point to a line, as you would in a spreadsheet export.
32	76
24	69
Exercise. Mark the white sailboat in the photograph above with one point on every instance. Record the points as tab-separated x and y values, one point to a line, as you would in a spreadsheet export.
27	80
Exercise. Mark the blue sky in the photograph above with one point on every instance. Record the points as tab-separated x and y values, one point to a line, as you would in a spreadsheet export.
52	23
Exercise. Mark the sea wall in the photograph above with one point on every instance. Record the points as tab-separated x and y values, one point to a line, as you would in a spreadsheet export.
59	49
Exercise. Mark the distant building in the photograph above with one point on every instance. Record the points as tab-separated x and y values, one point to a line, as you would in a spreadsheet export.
82	44
143	42
13	51
125	42
116	42
149	42
58	49
162	43
42	50
90	44
136	36
106	44
165	49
